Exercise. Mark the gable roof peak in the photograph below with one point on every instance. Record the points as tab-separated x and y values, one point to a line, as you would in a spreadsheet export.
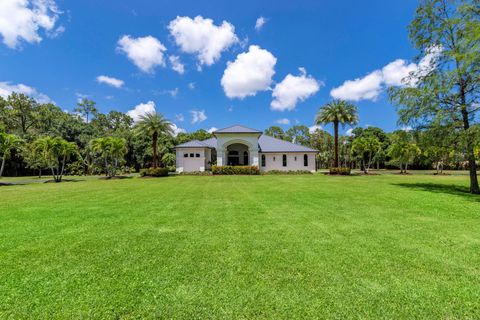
237	128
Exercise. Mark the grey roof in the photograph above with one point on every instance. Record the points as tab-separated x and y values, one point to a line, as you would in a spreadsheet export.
237	129
270	144
197	144
265	144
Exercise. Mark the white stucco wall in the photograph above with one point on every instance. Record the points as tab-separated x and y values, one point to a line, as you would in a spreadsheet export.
274	161
190	164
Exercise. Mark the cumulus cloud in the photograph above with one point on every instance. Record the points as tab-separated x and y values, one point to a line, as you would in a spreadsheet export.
396	73
176	130
198	116
146	53
191	86
294	89
212	129
22	20
141	109
251	72
176	64
314	128
113	82
200	36
284	121
349	132
259	23
6	88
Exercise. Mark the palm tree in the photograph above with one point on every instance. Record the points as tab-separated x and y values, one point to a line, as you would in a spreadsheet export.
55	152
8	142
337	112
154	124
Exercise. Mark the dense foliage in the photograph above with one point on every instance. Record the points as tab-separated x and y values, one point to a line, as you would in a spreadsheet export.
235	170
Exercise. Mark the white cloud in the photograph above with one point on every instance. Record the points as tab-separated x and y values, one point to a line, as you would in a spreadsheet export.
176	64
366	88
141	109
251	71
198	116
406	128
114	82
284	121
349	132
180	117
6	88
212	129
191	86
396	73
294	89
145	52
259	23
314	128
176	130
202	37
21	20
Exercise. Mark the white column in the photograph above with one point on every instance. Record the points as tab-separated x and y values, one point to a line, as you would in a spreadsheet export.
253	157
220	156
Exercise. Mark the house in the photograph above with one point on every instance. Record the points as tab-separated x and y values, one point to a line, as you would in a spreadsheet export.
239	145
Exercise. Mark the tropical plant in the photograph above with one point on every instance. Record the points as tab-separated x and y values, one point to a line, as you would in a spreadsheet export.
367	148
112	151
55	153
402	150
8	143
154	124
337	112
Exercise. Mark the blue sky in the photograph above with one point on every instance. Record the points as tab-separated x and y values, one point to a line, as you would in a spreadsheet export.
57	50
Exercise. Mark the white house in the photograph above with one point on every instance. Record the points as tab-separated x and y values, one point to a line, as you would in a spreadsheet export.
239	145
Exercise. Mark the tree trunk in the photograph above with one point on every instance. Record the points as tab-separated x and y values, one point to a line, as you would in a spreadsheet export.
335	128
154	148
3	165
472	166
401	167
39	173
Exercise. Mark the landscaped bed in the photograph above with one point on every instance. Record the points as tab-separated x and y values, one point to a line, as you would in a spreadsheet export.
274	246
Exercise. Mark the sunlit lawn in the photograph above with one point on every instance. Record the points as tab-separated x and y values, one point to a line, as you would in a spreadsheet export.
314	246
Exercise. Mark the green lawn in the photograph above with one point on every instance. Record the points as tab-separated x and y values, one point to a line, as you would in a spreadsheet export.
316	246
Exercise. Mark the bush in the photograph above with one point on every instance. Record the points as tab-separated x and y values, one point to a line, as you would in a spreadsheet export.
340	171
234	170
154	172
292	172
197	173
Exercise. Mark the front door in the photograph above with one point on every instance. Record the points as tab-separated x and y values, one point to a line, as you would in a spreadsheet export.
233	161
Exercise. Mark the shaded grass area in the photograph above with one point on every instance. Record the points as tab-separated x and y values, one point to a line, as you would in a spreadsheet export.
286	247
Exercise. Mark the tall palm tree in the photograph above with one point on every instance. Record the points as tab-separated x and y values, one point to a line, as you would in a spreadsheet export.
154	124
337	112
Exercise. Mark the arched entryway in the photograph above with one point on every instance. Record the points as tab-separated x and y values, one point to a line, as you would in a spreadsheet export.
238	155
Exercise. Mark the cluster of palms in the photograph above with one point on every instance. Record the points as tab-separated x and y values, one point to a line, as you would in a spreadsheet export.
400	149
54	152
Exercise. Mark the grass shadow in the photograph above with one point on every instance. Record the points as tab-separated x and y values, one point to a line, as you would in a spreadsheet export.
442	188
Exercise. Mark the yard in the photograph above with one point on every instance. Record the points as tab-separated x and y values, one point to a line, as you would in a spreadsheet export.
313	246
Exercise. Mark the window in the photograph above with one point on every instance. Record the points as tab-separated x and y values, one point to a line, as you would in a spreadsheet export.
197	155
284	160
295	158
263	160
191	155
305	160
245	158
185	155
273	158
233	153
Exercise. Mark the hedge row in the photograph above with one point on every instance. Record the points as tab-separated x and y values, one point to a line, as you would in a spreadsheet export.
154	172
292	172
233	170
340	171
